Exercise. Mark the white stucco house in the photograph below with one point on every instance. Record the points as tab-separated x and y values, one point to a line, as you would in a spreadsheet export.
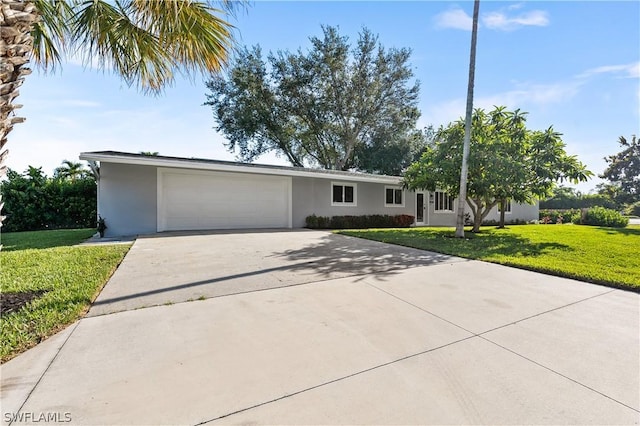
140	194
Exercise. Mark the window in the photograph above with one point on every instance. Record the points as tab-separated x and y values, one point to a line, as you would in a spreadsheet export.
507	206
443	201
393	197
343	194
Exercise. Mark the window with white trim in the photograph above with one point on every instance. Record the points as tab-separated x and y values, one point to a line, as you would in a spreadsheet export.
393	196
507	206
343	194
443	202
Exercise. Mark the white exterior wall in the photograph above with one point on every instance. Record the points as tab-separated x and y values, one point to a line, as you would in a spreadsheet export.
313	196
127	198
522	212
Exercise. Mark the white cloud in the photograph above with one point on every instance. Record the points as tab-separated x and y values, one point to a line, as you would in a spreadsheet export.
454	18
524	96
631	70
79	103
536	94
503	22
82	59
59	104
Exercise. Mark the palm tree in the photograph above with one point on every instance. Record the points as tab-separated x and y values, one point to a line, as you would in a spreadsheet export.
70	170
462	197
145	42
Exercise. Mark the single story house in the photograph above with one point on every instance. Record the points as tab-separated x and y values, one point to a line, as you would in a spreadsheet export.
141	194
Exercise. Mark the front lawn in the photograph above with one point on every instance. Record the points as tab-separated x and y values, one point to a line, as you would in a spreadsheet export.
609	256
48	283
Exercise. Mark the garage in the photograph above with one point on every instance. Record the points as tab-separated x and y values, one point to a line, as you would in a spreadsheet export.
192	200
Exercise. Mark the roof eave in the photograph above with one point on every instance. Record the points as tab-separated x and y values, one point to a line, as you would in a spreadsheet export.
236	168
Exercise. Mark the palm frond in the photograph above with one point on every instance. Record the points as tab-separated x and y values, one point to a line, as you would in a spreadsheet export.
50	33
192	32
146	42
104	33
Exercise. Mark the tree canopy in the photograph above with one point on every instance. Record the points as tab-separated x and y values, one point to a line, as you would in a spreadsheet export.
623	171
336	106
71	170
568	198
507	161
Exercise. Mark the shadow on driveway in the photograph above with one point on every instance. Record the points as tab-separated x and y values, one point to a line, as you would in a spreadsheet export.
202	265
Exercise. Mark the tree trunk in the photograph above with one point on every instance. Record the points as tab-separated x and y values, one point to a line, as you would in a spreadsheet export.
477	221
467	126
502	206
16	22
481	212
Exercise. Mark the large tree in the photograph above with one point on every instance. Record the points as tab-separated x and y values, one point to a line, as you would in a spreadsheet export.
145	42
623	171
507	161
336	106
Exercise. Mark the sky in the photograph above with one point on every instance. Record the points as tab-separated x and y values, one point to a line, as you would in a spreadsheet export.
573	65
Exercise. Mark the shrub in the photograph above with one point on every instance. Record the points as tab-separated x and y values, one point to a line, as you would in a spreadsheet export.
312	221
493	222
560	216
359	222
34	201
403	220
633	209
599	216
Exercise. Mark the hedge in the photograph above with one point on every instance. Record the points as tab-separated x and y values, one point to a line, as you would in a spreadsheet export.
561	216
595	216
359	222
32	202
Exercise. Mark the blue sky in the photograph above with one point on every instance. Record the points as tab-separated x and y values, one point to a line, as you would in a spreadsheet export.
574	65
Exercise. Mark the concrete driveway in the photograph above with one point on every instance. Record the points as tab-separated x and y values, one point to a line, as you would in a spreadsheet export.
305	327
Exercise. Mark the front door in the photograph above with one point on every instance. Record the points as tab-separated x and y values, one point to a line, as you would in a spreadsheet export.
420	209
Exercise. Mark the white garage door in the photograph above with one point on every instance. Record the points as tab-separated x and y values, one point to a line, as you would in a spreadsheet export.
190	200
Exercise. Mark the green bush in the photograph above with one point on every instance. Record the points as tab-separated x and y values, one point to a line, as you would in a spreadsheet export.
33	201
493	222
633	209
359	222
599	216
560	216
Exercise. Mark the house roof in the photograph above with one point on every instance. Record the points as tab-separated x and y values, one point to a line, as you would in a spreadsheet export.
230	166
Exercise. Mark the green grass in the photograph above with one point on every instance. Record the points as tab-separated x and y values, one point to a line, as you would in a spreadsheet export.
71	277
607	256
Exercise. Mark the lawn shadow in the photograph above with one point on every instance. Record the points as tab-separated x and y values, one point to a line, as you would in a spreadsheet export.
474	245
616	231
13	301
513	245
